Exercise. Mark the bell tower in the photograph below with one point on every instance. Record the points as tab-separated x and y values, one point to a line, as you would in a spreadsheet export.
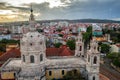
93	61
32	44
79	51
33	53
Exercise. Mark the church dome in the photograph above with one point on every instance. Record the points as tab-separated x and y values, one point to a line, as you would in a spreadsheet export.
32	36
32	41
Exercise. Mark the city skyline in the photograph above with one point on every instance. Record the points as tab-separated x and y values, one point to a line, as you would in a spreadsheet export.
19	10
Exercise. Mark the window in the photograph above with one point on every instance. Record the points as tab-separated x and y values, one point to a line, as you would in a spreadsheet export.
94	47
32	59
23	58
95	60
63	72
41	57
50	73
93	77
30	44
31	36
80	48
75	71
80	39
14	75
40	43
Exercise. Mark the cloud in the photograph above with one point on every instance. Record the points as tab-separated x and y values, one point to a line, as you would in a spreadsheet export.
60	9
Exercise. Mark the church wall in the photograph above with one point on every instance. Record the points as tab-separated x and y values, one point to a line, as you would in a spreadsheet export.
56	73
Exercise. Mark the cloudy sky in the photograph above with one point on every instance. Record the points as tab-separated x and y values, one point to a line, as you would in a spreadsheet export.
19	10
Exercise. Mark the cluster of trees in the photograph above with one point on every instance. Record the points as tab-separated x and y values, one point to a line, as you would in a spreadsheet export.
88	35
115	58
61	35
57	45
115	34
115	37
4	42
69	43
105	48
73	75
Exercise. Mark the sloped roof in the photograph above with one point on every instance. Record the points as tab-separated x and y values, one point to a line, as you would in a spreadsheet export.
62	51
13	53
66	52
53	51
118	45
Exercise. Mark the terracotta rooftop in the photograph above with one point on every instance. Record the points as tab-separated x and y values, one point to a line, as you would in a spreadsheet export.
15	53
118	45
62	51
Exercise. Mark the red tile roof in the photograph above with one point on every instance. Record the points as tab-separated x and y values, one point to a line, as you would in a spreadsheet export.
62	51
118	45
13	53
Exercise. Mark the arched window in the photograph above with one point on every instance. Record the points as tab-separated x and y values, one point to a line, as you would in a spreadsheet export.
95	60
80	39
32	59
50	73
93	77
63	72
23	58
80	48
31	44
94	47
41	57
75	71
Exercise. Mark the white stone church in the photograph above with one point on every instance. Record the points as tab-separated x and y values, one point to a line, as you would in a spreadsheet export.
34	65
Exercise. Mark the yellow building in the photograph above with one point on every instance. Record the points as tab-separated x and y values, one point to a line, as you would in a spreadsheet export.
55	74
11	46
8	75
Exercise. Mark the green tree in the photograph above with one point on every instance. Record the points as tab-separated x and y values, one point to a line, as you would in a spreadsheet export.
59	30
57	45
118	37
88	35
4	42
71	44
112	55
116	62
39	30
89	29
115	58
61	35
2	47
105	48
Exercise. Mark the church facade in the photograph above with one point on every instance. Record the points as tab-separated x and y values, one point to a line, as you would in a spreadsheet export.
34	65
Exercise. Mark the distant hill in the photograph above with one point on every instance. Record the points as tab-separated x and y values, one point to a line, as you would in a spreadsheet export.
96	21
19	23
87	20
83	21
